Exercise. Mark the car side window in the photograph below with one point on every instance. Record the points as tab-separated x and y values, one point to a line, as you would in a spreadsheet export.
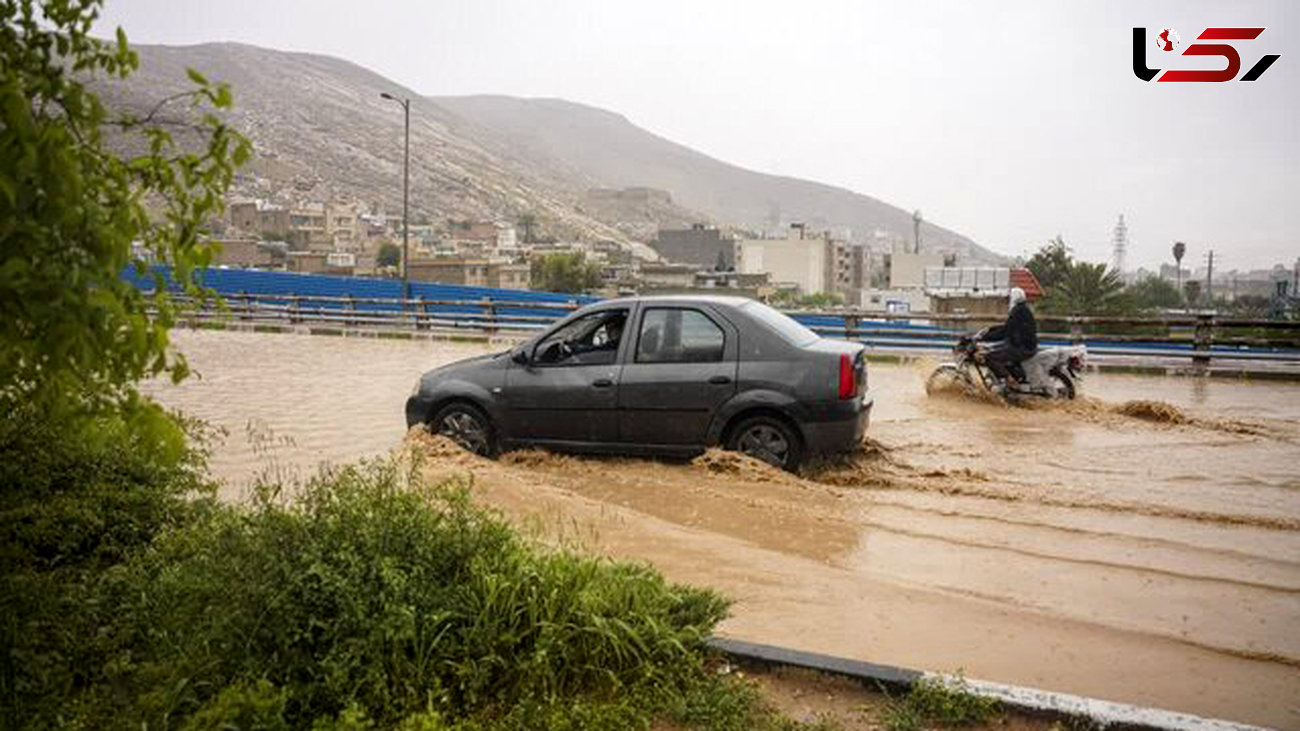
589	340
674	335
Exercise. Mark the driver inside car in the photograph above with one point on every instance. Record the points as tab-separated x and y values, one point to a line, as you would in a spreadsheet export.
604	338
593	345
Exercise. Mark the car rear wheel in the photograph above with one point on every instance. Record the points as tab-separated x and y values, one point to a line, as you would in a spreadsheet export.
768	439
467	426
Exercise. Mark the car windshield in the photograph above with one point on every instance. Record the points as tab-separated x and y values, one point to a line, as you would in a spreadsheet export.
784	326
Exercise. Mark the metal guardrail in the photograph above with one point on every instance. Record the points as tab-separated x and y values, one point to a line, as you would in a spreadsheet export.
1196	337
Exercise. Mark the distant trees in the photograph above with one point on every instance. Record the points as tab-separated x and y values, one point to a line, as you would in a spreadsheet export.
819	300
528	223
1083	288
564	272
389	255
1090	289
1154	293
1051	264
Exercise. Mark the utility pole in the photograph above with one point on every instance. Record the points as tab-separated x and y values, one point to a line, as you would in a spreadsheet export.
1179	249
406	195
1209	279
916	231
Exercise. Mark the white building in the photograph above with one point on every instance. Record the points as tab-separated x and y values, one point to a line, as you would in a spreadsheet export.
805	262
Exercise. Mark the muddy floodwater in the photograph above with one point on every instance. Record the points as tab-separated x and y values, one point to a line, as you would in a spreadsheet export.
1140	545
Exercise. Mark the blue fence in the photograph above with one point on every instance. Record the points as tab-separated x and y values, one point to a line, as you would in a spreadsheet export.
275	285
474	307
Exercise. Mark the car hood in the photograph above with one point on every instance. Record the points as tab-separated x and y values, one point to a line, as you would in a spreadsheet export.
477	362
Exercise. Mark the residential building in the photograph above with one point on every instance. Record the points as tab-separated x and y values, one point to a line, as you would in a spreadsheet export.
474	272
977	290
344	226
308	228
907	271
259	218
805	262
659	276
321	262
701	245
242	254
894	301
507	275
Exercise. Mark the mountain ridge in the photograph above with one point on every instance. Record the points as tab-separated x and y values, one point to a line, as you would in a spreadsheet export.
320	130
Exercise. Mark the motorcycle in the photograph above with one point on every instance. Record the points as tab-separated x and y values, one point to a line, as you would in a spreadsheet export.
1051	373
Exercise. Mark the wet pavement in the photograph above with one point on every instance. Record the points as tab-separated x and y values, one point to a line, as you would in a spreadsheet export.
1073	547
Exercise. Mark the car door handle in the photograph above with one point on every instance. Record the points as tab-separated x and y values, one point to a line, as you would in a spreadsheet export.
720	380
602	383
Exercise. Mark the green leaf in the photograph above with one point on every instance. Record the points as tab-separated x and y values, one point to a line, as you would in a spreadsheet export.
196	77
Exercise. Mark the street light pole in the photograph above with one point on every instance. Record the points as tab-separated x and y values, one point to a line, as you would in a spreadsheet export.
406	194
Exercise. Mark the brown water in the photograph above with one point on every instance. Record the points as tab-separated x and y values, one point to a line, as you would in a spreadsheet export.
1151	560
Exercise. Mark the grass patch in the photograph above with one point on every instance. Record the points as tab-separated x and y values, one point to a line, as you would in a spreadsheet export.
392	335
208	325
932	702
268	328
325	331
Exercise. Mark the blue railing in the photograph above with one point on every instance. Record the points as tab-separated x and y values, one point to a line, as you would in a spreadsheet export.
253	294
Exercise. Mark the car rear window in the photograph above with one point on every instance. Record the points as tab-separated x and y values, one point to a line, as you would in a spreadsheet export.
784	326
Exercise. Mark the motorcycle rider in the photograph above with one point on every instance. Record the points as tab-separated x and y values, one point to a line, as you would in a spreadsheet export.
1014	341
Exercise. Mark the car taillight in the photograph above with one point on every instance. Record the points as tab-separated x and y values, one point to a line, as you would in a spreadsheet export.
848	378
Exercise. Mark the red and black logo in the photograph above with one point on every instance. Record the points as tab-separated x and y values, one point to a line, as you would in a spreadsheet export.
1168	40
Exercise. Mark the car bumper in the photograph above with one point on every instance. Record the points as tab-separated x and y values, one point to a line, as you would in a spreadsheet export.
417	410
840	428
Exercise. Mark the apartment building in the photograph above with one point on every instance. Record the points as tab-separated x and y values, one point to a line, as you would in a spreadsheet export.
701	245
806	263
474	272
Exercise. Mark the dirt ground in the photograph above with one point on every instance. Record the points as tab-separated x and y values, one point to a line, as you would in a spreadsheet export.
1141	544
810	696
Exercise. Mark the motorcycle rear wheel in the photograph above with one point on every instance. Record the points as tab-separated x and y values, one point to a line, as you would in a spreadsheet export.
1064	385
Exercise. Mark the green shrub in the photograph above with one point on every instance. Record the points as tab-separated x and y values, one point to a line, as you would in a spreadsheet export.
368	600
76	498
394	600
932	701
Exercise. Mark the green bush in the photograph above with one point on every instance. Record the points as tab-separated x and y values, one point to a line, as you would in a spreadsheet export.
362	594
934	702
131	598
75	499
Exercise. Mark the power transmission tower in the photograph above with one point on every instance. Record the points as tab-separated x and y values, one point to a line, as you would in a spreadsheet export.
1119	238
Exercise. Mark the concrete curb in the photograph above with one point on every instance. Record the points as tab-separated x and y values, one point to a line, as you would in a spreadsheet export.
1092	711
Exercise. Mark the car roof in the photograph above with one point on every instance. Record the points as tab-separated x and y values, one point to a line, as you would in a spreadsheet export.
696	299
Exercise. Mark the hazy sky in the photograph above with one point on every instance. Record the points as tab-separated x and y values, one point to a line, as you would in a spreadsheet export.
1010	122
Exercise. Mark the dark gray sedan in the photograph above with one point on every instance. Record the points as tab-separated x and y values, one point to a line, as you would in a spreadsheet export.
657	375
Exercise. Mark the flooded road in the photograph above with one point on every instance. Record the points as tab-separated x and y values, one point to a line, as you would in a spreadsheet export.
1146	553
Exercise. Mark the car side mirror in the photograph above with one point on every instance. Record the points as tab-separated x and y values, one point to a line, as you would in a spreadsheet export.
520	356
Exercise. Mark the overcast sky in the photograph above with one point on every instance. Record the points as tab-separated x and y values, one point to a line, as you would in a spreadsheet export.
1009	122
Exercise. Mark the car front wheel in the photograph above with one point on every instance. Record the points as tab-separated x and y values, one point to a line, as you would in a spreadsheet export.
467	426
768	439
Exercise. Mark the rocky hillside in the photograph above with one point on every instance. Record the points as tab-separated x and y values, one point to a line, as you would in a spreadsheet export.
606	147
320	128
